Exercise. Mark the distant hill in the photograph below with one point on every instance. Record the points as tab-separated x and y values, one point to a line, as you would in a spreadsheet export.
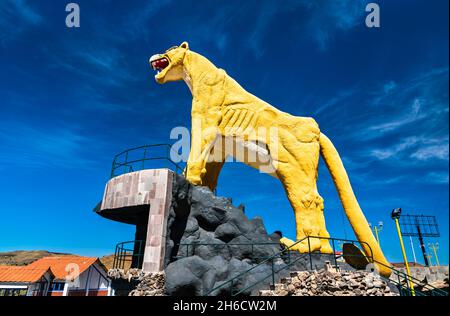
24	257
107	261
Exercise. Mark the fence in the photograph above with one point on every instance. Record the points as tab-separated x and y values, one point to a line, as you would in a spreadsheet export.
124	254
140	158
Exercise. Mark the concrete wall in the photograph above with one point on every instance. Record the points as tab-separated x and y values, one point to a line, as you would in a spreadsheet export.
151	188
431	273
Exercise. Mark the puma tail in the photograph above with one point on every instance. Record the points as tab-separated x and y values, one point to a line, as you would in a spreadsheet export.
350	204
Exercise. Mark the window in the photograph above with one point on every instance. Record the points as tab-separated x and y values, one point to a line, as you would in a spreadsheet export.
57	286
13	292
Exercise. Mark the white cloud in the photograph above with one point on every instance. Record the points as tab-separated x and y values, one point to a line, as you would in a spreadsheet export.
393	151
437	177
336	100
330	17
404	106
422	148
408	117
21	10
29	146
15	17
137	20
389	87
431	152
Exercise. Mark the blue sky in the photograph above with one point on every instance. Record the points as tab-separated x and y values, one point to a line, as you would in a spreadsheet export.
70	99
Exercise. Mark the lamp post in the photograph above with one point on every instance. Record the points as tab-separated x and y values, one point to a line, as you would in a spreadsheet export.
435	247
412	248
429	259
377	229
395	216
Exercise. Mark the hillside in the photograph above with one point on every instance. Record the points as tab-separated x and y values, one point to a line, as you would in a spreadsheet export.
24	257
107	261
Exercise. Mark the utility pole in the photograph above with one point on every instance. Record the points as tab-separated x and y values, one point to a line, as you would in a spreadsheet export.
412	248
422	245
377	230
395	216
435	247
429	259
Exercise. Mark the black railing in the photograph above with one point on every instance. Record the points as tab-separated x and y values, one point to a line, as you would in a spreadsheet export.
400	279
404	282
129	251
286	254
139	158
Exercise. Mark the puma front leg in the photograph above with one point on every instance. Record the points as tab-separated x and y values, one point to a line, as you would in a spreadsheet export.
202	142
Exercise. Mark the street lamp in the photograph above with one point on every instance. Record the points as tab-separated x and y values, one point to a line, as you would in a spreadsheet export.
396	212
377	229
435	247
429	259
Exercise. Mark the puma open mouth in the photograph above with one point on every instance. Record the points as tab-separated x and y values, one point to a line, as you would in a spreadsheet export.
159	63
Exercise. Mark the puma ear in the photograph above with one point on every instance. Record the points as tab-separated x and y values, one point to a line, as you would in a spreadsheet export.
184	45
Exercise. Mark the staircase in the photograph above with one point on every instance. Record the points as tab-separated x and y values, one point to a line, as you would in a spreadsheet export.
398	278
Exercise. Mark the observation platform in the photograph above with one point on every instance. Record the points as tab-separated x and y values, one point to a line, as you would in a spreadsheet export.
139	195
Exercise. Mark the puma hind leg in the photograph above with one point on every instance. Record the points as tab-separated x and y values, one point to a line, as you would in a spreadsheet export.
297	170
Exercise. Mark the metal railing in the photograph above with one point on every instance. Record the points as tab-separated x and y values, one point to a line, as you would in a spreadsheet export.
401	280
285	253
426	289
134	254
135	159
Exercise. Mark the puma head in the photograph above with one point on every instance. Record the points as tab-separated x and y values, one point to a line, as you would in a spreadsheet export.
169	66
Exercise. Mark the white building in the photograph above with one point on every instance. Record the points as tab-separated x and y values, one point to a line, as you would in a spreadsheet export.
56	276
24	281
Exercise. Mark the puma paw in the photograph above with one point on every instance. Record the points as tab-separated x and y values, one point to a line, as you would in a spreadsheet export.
293	246
326	248
286	242
305	247
195	180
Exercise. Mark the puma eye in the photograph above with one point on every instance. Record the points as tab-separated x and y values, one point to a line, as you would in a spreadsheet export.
173	47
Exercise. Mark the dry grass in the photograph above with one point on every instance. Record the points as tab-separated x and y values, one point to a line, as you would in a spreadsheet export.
24	257
109	260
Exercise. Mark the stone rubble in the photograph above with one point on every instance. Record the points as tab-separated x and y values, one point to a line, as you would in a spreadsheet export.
148	284
151	285
329	282
130	274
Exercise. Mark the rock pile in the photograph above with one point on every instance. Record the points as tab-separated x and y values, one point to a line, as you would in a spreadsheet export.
326	282
129	275
219	236
151	285
135	282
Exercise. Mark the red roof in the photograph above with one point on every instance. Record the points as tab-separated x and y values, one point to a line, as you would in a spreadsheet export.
59	267
64	266
22	274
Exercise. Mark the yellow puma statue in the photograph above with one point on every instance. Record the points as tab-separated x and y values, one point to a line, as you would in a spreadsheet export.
222	110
